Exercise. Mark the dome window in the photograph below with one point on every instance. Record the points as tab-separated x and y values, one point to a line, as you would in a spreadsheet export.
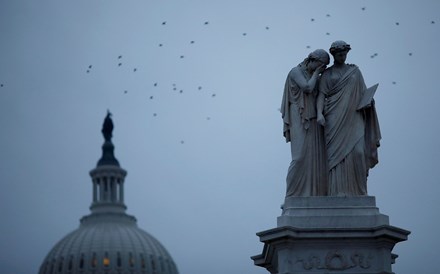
94	262
153	264
106	260
81	262
130	260
60	265
70	265
143	264
119	260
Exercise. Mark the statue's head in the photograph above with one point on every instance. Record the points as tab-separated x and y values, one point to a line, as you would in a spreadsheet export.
319	55
339	46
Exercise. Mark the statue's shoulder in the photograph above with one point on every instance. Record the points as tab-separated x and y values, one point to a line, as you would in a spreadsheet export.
295	71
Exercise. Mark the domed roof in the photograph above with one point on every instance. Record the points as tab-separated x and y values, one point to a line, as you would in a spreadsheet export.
108	241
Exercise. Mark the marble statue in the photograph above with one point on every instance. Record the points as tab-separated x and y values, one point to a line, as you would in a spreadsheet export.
307	173
351	130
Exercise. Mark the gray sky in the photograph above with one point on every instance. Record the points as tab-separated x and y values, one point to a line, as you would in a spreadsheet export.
205	173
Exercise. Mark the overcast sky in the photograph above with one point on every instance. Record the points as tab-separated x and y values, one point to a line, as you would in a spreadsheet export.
195	106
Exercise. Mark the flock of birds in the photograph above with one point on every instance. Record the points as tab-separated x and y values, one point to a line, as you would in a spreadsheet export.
119	61
174	87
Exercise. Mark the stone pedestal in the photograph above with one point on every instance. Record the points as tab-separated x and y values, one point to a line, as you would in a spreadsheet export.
343	235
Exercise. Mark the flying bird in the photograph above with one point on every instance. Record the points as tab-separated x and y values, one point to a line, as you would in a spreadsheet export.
164	22
135	69
206	23
155	84
312	19
125	91
151	97
90	66
120	64
120	56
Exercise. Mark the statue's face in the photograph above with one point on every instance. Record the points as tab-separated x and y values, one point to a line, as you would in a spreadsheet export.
340	57
314	64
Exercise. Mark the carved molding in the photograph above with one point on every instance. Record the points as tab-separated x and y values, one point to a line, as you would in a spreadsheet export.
337	260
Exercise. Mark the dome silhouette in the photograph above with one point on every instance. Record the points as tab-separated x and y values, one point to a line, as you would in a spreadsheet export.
108	241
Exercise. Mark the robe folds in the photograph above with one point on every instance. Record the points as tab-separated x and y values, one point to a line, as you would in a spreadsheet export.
352	136
307	173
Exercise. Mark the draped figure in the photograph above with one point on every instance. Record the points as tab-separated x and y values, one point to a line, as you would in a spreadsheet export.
307	173
352	135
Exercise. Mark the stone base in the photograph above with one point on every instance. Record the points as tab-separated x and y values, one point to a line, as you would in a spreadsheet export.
330	235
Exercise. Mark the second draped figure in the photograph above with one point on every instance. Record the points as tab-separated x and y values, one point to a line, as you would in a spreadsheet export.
333	141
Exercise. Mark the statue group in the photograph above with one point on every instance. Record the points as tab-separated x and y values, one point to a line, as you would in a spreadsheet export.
331	122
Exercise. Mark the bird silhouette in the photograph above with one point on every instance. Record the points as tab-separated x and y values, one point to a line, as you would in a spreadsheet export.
120	56
120	64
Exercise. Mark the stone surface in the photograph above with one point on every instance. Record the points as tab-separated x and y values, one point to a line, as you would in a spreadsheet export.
330	235
331	212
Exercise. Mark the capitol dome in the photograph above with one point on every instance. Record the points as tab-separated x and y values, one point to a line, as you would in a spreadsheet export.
108	240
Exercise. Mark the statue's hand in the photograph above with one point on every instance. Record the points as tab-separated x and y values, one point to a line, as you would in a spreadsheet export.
320	119
321	69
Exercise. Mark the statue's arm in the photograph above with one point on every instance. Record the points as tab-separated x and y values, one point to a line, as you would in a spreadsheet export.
304	85
320	104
